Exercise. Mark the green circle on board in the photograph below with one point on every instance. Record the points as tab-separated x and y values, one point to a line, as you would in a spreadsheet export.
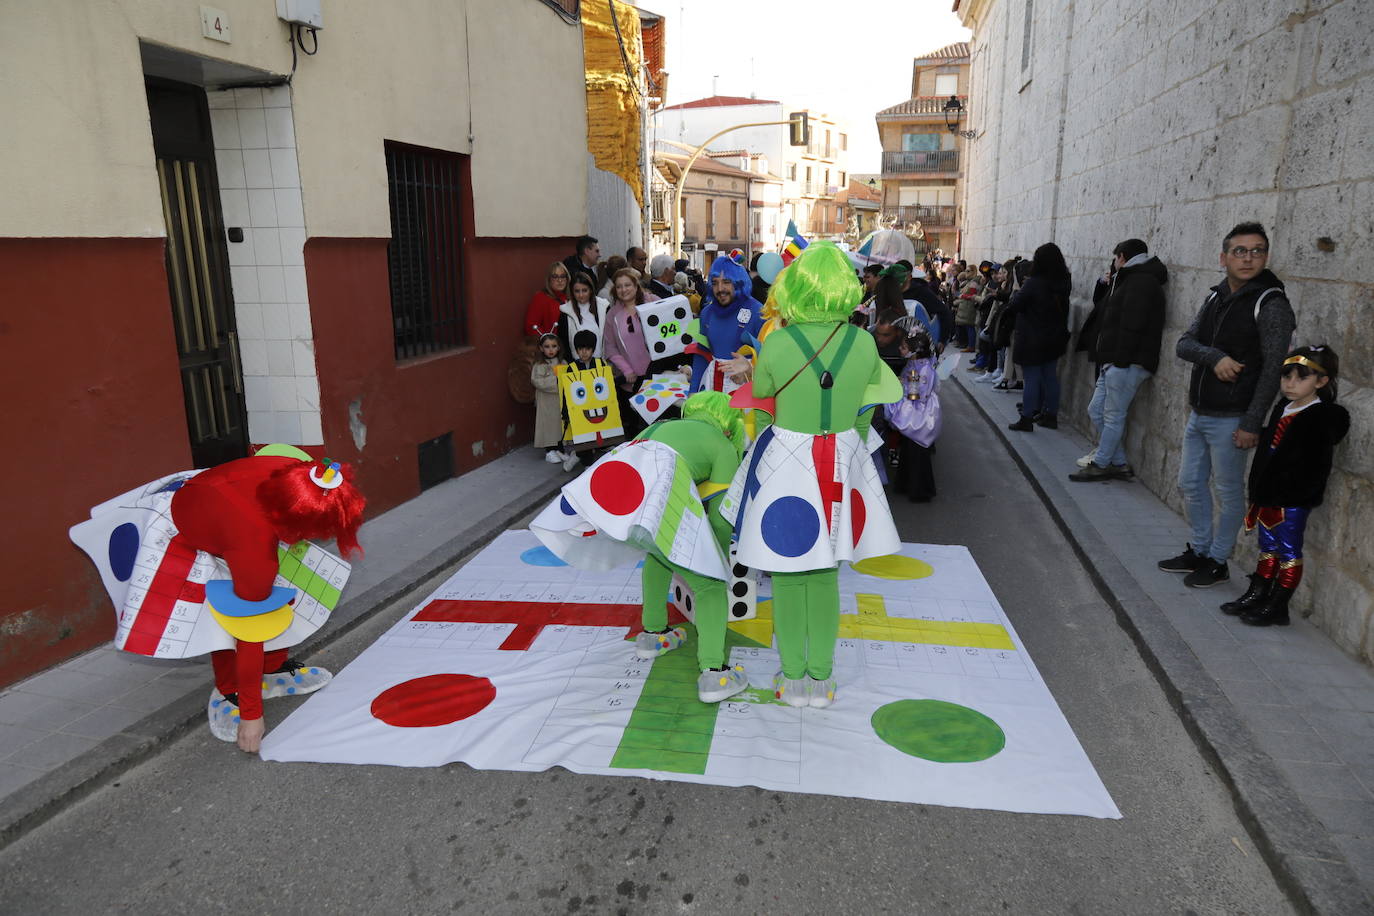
938	731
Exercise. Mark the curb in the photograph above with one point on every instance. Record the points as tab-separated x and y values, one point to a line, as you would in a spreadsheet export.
1296	846
54	792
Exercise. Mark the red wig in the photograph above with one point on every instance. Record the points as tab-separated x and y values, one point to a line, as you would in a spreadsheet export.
299	509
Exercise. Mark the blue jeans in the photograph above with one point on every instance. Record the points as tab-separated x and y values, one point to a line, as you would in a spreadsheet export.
1209	454
1111	402
1042	389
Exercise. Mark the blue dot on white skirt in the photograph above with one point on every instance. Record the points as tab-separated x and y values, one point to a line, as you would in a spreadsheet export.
123	551
565	507
790	526
540	556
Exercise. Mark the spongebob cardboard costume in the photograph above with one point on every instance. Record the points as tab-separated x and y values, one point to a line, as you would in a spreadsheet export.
591	410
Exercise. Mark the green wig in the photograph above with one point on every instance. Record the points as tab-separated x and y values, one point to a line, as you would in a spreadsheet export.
818	287
714	407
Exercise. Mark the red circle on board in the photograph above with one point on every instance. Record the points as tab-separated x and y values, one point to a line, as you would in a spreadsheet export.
858	514
652	404
617	488
438	699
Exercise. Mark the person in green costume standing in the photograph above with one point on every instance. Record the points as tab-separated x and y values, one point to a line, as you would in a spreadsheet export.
808	495
658	497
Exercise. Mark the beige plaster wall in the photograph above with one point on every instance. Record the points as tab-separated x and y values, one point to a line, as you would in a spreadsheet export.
80	162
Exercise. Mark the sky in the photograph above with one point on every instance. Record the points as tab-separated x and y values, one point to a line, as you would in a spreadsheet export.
848	59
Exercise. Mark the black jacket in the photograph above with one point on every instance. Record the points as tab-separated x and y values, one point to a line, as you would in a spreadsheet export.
575	266
1227	325
660	289
935	306
1294	474
1130	327
1041	310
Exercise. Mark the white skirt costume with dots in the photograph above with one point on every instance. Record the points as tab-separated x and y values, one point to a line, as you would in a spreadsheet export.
157	583
639	498
801	502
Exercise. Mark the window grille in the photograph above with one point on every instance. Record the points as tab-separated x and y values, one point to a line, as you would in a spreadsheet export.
568	9
424	257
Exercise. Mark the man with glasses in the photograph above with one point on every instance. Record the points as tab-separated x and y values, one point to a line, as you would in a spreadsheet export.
1236	344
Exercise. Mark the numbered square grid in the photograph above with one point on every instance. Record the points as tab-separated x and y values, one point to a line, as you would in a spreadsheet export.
446	635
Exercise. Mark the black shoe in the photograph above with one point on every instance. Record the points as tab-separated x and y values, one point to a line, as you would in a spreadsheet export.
1252	599
1047	420
1023	425
1185	562
1000	386
1095	472
1208	574
1274	610
1018	386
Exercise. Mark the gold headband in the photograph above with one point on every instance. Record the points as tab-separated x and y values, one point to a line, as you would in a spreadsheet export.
1304	361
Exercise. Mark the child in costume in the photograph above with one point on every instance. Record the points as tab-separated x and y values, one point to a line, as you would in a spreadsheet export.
197	568
656	498
917	416
1288	480
809	497
548	418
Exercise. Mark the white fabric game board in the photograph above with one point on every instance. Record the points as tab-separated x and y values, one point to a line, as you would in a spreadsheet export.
520	663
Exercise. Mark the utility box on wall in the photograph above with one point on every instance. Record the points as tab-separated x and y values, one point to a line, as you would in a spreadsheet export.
301	12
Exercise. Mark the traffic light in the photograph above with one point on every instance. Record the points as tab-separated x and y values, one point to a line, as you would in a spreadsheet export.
798	129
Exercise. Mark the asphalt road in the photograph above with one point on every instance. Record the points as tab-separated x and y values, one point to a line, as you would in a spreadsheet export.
202	828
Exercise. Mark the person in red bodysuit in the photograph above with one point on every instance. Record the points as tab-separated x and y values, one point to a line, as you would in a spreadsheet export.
239	512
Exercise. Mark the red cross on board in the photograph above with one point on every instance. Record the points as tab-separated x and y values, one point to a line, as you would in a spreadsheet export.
530	617
832	491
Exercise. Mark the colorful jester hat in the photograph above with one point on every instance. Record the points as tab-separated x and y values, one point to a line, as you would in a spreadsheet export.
714	407
818	287
725	267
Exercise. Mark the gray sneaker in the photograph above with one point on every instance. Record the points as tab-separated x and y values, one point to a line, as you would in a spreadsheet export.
792	691
652	645
714	686
822	692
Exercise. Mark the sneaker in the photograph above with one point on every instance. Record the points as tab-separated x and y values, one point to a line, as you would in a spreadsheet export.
1124	471
570	461
652	645
1185	562
1018	386
1093	472
986	378
822	692
1001	386
1086	459
715	685
792	691
223	715
294	679
1208	574
553	457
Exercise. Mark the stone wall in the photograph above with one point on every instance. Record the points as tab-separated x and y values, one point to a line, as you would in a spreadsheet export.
1171	121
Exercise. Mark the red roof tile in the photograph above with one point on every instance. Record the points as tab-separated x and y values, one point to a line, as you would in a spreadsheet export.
720	101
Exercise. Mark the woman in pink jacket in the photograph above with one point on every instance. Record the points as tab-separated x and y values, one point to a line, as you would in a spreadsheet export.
623	341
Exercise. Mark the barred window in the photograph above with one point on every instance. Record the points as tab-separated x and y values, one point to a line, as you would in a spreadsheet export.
568	9
425	255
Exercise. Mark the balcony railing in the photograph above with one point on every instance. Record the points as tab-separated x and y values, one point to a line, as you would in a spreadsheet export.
821	150
818	189
925	215
944	160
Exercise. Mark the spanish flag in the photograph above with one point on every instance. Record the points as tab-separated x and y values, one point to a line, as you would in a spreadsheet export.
795	246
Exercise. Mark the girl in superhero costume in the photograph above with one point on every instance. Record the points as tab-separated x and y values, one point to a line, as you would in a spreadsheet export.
657	497
807	496
1288	480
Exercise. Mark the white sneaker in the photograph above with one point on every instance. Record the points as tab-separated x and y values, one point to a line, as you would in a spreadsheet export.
794	692
1086	459
714	686
569	461
223	716
822	692
294	680
986	378
553	457
652	645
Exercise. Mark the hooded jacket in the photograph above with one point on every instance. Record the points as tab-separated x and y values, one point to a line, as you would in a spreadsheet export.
1294	474
1130	326
1041	310
725	326
1227	325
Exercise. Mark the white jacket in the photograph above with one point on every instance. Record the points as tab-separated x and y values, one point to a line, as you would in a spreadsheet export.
592	320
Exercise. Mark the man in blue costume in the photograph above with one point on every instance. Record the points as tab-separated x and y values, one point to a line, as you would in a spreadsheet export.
730	318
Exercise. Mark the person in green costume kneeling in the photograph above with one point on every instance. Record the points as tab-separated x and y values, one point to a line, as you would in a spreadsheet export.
658	497
808	496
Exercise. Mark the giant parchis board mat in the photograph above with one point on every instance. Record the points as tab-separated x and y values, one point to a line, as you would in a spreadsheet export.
519	662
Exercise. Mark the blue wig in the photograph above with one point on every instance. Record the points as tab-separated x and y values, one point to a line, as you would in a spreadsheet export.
725	267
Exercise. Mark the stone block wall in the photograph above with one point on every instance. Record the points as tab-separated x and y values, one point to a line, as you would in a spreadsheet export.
1172	121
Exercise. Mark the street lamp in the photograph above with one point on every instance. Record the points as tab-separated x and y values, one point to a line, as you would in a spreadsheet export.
953	111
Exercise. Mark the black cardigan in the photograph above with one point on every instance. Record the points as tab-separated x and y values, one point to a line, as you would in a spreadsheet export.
1295	473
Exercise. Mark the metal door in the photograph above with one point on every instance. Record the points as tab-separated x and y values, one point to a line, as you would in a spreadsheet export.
198	273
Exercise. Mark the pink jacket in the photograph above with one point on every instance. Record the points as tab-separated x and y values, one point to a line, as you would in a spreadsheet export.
624	344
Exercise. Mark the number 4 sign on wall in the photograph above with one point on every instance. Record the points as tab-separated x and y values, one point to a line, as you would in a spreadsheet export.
214	24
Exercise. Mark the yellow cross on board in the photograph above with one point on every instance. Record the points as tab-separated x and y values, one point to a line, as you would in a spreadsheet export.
872	622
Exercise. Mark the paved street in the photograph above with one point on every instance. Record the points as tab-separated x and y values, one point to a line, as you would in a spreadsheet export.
202	826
